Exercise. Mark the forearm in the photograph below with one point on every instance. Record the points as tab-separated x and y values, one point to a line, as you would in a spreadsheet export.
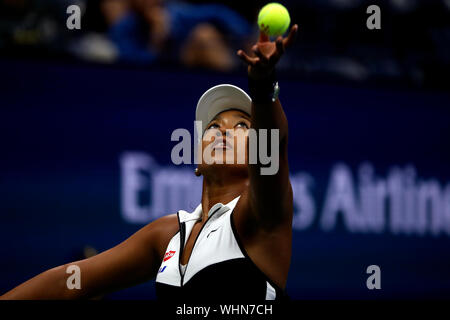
270	190
49	285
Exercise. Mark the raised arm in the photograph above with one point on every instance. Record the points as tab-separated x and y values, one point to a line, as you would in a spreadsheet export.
133	261
269	194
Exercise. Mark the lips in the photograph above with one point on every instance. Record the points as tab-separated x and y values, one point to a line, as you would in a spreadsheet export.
221	144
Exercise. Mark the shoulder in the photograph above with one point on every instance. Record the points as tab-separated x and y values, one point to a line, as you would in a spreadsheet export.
166	223
251	219
161	231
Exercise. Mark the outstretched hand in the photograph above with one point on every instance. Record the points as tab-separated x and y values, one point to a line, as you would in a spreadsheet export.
266	54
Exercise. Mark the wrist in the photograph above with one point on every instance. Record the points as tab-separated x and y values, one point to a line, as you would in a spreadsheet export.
264	89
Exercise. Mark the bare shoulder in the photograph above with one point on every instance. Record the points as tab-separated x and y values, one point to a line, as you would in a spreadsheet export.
250	225
161	231
164	223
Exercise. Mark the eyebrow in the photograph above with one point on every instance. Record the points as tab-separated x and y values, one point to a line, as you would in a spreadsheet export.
242	115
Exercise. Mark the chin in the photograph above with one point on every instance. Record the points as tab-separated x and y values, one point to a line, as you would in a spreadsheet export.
221	160
221	165
229	166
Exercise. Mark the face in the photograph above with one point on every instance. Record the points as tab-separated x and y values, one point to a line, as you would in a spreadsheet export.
225	139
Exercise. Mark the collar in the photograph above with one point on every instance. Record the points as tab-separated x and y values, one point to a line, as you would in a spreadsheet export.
218	208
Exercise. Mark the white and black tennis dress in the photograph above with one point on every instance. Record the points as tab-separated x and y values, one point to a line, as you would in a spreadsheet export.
218	269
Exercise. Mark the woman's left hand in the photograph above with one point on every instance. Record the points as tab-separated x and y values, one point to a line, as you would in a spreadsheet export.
267	54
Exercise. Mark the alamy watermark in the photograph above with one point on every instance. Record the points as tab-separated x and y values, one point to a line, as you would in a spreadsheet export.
374	20
74	280
374	280
74	20
237	146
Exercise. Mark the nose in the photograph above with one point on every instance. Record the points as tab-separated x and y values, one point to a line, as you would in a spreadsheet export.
223	132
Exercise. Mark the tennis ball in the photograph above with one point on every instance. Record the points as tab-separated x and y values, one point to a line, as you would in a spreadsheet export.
273	19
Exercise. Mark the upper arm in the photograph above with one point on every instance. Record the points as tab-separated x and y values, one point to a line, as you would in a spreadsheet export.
133	261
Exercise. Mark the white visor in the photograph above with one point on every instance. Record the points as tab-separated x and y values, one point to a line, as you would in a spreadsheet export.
218	99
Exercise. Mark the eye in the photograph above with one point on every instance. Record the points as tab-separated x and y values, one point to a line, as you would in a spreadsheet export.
212	126
242	124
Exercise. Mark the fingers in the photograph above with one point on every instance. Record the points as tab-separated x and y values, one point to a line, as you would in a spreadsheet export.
244	57
263	37
257	52
291	36
280	45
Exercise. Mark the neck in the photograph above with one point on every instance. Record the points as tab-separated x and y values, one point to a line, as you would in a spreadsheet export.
221	190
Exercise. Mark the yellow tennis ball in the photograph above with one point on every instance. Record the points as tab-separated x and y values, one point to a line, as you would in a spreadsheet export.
273	19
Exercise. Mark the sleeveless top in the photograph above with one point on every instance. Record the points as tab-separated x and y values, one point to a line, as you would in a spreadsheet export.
219	269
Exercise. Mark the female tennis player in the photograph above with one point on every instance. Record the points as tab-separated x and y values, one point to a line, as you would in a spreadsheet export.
236	245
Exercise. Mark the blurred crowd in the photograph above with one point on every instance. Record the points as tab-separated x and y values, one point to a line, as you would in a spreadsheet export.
194	35
412	47
131	31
